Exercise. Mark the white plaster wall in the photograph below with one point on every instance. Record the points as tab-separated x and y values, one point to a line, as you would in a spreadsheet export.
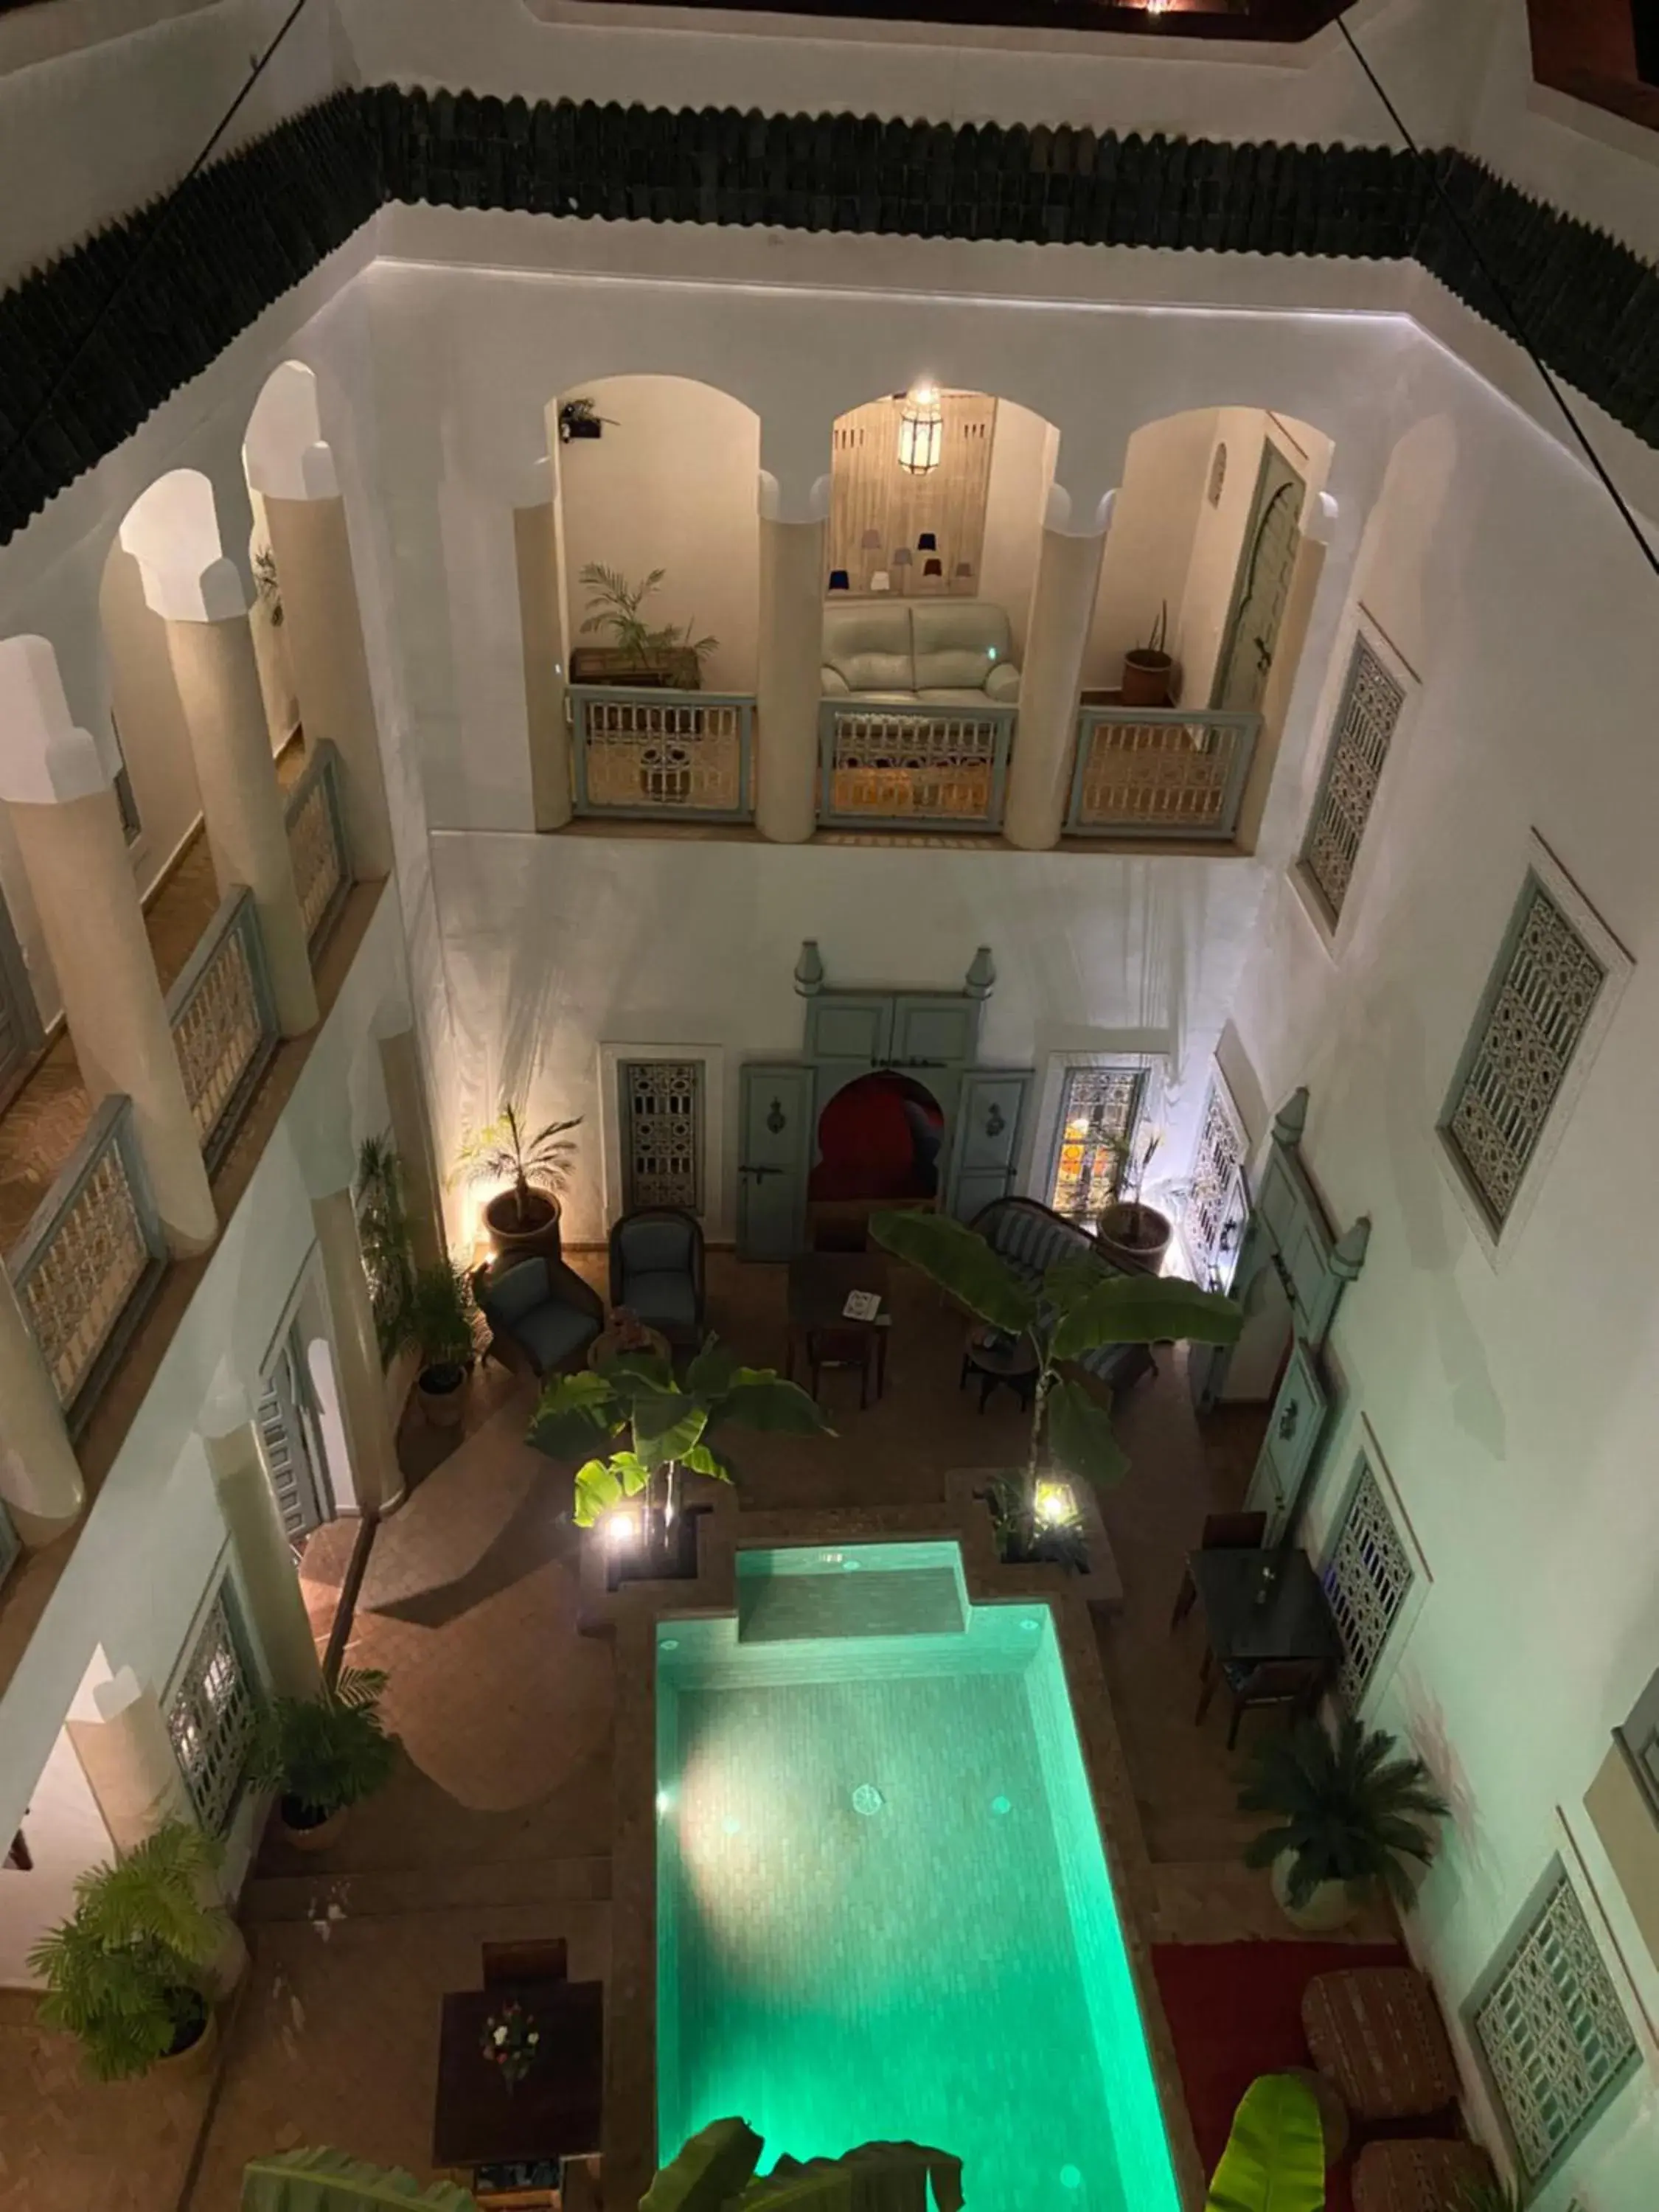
672	485
65	1833
1022	452
1513	1403
1149	551
144	699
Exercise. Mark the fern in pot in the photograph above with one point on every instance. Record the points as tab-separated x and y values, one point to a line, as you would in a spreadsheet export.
127	1973
1354	1814
438	1327
325	1754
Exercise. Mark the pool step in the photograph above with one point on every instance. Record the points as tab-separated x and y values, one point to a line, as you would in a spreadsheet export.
789	1607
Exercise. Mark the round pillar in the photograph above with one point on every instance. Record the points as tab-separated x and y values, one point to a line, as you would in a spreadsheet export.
376	1476
788	682
311	548
218	681
269	1582
39	1475
538	536
1045	736
67	825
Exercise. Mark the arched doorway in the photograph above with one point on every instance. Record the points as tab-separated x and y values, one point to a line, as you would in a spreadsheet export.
880	1141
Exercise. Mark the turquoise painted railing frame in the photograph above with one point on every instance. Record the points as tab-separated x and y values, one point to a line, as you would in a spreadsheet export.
837	719
712	733
322	873
231	940
1158	789
110	1139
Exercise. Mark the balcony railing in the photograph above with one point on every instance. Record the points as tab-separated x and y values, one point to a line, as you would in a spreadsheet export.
223	1022
90	1260
667	756
317	844
904	767
1160	772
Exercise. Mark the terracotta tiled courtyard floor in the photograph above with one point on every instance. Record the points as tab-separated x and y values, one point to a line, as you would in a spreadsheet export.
499	1822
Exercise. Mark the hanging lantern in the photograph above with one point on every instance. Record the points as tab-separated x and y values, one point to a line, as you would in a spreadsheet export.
921	430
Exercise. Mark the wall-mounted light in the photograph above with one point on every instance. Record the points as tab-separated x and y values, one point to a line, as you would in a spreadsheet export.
921	430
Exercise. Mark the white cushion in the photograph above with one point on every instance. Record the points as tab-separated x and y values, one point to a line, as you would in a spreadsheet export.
869	646
958	642
1002	684
953	695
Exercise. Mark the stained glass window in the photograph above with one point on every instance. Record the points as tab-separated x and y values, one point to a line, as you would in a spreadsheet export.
1098	1115
1207	1213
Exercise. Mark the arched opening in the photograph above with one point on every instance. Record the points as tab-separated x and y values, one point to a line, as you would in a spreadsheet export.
283	456
879	1141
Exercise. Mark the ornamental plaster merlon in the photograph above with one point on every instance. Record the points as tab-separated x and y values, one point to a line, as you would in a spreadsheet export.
45	760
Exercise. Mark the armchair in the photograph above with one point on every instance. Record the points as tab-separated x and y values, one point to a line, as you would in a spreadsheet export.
541	1315
657	1272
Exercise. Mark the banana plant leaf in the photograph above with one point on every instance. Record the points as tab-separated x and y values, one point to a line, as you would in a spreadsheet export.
1145	1310
602	1483
960	1261
1274	2160
329	2181
708	2173
1081	1439
573	1415
666	1424
759	1398
876	2178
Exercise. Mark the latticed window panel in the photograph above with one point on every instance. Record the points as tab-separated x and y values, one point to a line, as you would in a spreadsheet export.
1219	1158
1168	777
1551	2031
1098	1115
315	849
1367	1578
662	1132
901	768
223	1030
656	756
1544	994
79	1287
211	1720
1366	724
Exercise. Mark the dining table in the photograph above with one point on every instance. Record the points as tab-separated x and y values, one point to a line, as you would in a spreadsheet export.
1262	1605
553	2111
819	1285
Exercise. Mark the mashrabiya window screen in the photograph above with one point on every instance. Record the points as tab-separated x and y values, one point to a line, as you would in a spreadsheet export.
211	1719
1536	1009
1551	2031
1099	1108
1219	1158
1360	738
662	1134
1366	1578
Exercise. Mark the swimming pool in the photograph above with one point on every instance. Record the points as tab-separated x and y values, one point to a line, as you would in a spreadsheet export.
882	1908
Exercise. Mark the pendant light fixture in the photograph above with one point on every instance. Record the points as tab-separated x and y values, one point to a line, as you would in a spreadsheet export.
921	430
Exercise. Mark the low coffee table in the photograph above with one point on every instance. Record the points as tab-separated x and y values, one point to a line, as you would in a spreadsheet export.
992	1356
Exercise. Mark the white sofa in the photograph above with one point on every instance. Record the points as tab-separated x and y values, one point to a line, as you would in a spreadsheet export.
918	652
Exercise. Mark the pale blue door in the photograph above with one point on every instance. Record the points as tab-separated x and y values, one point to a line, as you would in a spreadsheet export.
774	1148
842	1025
990	1122
931	1034
1295	1429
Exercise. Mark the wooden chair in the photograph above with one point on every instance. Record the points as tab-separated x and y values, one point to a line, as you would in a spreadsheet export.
1222	1532
505	1963
842	1347
1296	1683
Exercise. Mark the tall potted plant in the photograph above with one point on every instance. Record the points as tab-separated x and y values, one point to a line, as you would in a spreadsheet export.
1135	1234
126	1973
670	1425
437	1324
640	651
325	1754
534	1166
1351	1811
1077	1308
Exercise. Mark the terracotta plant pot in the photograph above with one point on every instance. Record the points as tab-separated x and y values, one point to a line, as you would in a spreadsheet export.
539	1237
1136	1236
1332	1905
1146	676
301	1835
198	2056
442	1394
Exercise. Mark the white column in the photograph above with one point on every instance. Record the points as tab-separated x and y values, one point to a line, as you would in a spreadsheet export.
1062	609
40	1474
376	1476
67	826
788	682
544	628
268	1581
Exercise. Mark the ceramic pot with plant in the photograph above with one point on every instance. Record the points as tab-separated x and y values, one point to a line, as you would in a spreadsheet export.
325	1754
1135	1235
438	1327
642	650
128	1973
1352	1812
1148	669
534	1167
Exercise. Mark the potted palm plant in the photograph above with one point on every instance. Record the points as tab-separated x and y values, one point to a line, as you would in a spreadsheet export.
383	1231
1135	1234
522	1219
1351	1811
640	652
670	1428
324	1754
126	1973
437	1322
1078	1307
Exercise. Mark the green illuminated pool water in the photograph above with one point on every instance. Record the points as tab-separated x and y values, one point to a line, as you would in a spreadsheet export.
883	1910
